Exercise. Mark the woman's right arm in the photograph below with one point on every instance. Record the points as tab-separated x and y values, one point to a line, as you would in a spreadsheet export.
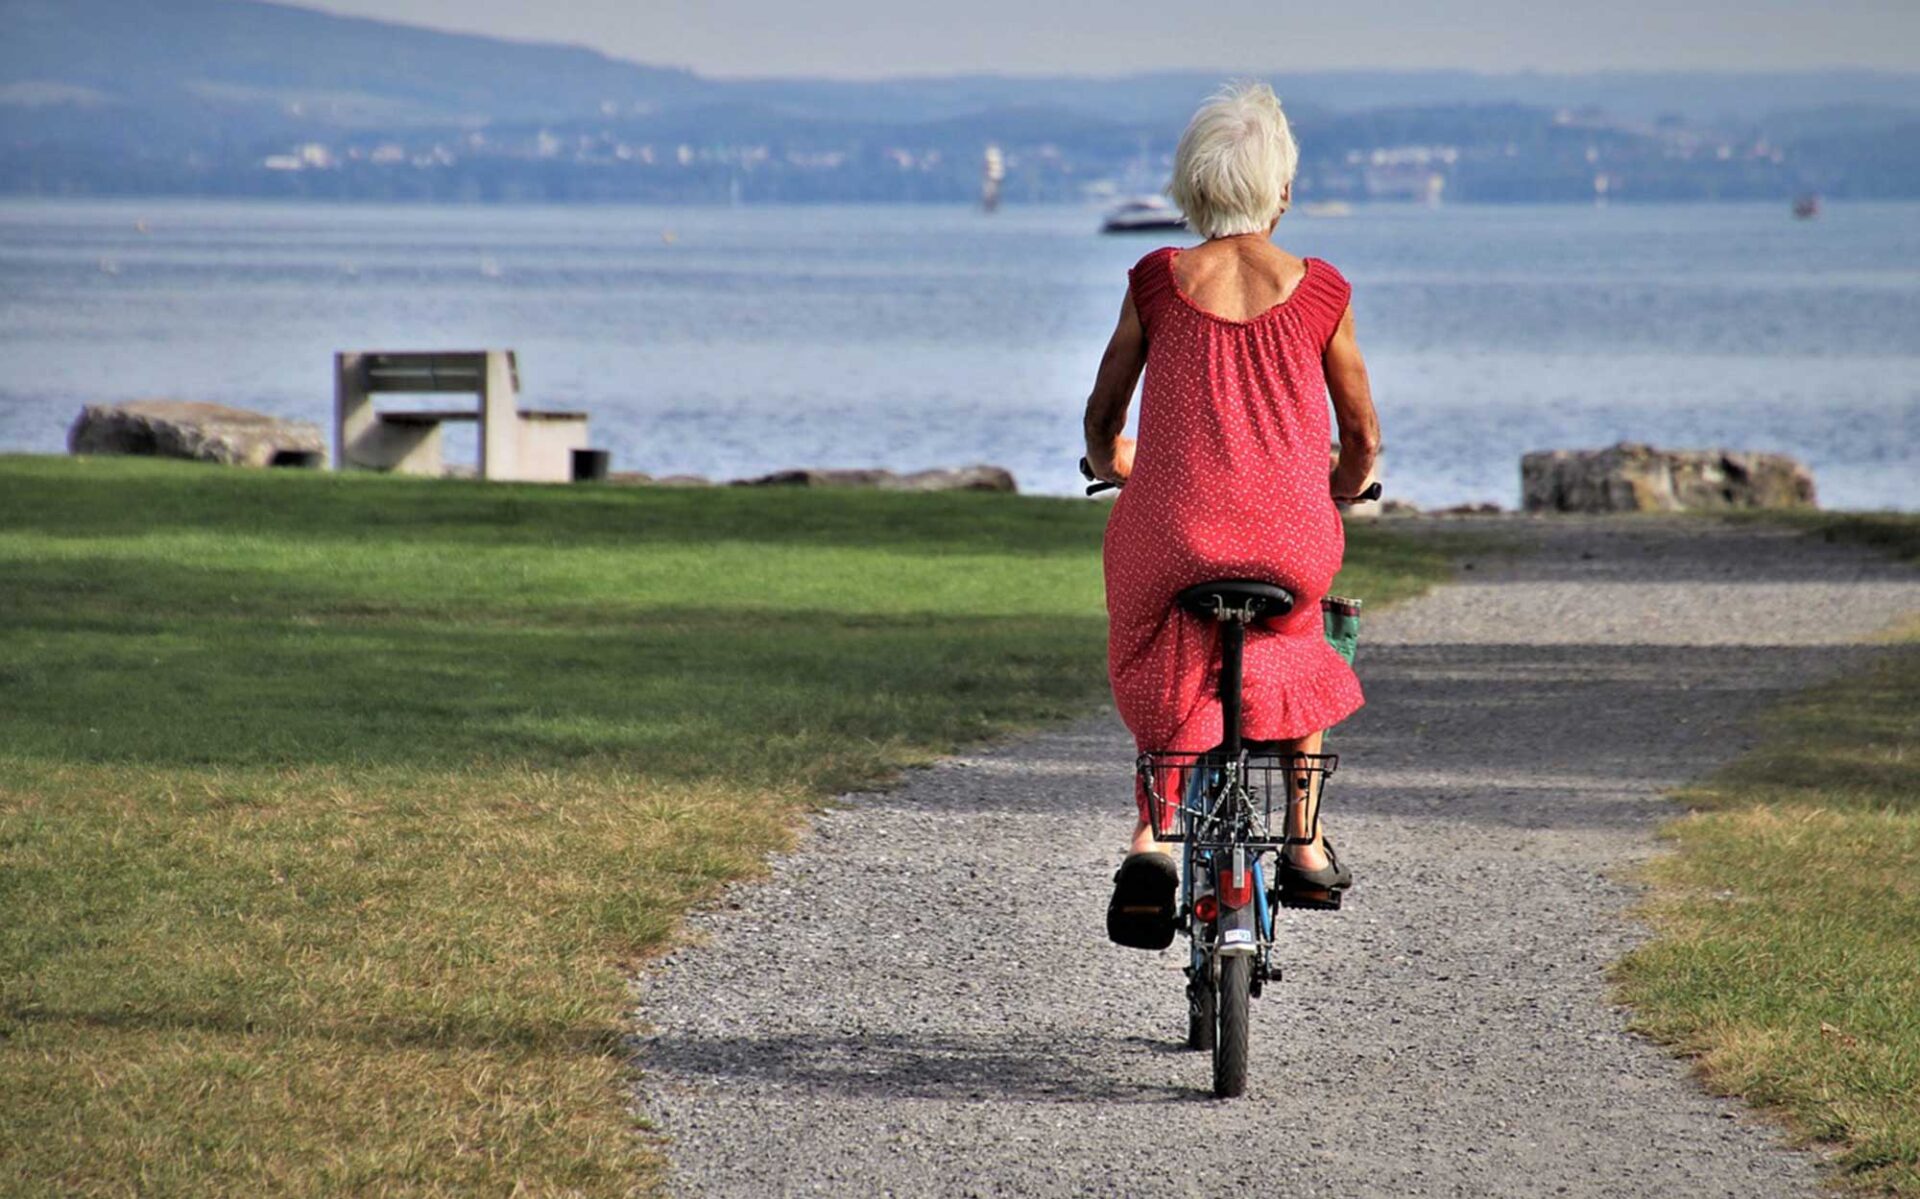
1108	453
1352	411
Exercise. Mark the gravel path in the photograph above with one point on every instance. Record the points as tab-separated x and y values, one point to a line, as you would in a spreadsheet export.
922	1002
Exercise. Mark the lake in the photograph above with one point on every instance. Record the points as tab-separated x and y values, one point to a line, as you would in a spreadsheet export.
728	342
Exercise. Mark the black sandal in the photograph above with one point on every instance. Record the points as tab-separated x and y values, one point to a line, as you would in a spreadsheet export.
1320	890
1146	889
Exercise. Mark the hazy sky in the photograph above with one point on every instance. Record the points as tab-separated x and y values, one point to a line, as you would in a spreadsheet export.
867	38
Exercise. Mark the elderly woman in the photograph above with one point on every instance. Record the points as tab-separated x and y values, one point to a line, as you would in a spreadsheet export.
1243	346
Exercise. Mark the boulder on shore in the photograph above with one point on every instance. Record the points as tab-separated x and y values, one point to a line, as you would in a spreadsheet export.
200	431
637	478
961	478
1630	477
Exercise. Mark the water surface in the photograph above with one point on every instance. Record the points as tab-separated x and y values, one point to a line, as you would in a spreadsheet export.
727	342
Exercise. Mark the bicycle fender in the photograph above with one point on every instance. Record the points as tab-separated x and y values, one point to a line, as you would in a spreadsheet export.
1239	928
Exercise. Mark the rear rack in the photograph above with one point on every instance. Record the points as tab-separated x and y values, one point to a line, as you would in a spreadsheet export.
1213	799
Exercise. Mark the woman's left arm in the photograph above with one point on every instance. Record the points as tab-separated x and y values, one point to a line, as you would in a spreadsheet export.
1108	453
1353	411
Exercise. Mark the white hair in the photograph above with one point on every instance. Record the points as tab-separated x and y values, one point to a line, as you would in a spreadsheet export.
1235	162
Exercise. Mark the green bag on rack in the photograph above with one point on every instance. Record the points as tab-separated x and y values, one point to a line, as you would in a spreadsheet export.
1341	618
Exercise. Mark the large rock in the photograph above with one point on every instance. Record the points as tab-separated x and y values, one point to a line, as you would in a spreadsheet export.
962	478
1629	477
959	478
191	429
638	478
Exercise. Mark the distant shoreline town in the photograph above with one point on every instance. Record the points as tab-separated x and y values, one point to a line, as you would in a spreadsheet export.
1429	154
122	97
1513	155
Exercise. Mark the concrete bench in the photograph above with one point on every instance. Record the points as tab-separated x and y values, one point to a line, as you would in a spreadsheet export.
527	445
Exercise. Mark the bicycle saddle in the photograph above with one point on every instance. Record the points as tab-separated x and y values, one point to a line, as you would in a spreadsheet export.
1225	599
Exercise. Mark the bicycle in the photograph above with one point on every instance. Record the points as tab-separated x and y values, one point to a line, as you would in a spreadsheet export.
1219	807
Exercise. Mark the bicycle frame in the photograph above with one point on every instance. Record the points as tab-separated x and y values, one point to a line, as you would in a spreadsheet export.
1234	928
1231	812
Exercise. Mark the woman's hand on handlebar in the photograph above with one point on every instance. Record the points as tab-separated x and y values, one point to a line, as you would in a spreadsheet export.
1095	484
1346	488
1116	465
1370	492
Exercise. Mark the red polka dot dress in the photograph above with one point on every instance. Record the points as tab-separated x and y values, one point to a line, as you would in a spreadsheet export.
1229	481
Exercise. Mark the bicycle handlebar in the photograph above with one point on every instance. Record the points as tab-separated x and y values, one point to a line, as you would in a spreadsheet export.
1096	485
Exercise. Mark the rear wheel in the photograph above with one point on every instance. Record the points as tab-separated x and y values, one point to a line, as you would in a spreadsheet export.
1230	1043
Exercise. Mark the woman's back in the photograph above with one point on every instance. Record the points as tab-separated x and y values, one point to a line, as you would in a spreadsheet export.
1238	277
1229	480
1234	428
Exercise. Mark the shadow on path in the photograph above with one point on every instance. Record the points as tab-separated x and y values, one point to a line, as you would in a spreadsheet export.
1054	1067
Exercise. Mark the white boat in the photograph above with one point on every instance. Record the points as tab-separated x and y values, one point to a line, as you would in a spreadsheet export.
1144	214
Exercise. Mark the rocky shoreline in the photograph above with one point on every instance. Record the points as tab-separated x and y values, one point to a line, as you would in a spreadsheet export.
1625	477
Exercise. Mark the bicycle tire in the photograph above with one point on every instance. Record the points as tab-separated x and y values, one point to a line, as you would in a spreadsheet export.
1230	1042
1200	1013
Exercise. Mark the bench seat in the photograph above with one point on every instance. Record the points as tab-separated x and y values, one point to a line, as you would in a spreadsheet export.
429	416
433	416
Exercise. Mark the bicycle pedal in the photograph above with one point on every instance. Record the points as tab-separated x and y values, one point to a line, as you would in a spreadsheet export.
1312	901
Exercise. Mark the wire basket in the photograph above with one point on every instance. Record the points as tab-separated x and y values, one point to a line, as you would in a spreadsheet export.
1213	799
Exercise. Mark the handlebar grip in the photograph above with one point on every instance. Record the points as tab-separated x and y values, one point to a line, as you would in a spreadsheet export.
1094	485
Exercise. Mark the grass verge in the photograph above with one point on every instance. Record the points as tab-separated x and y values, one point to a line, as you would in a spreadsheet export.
1788	920
335	808
1896	534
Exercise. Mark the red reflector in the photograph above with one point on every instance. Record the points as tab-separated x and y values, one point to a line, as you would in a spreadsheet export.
1205	908
1236	890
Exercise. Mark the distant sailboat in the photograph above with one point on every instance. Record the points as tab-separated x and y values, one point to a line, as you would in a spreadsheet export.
1806	207
992	171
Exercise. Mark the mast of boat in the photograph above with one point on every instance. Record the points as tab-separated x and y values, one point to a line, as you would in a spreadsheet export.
992	170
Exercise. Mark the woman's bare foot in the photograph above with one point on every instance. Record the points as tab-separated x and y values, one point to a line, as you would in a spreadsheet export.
1309	857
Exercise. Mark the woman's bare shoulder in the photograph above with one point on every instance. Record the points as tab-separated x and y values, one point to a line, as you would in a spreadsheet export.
1154	258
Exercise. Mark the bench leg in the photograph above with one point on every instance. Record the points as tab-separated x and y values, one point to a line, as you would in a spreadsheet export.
499	418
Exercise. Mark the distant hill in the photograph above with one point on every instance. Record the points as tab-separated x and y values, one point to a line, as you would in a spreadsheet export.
250	61
244	97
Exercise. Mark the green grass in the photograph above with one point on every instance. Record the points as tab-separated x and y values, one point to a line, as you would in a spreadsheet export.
1788	955
334	809
1896	534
